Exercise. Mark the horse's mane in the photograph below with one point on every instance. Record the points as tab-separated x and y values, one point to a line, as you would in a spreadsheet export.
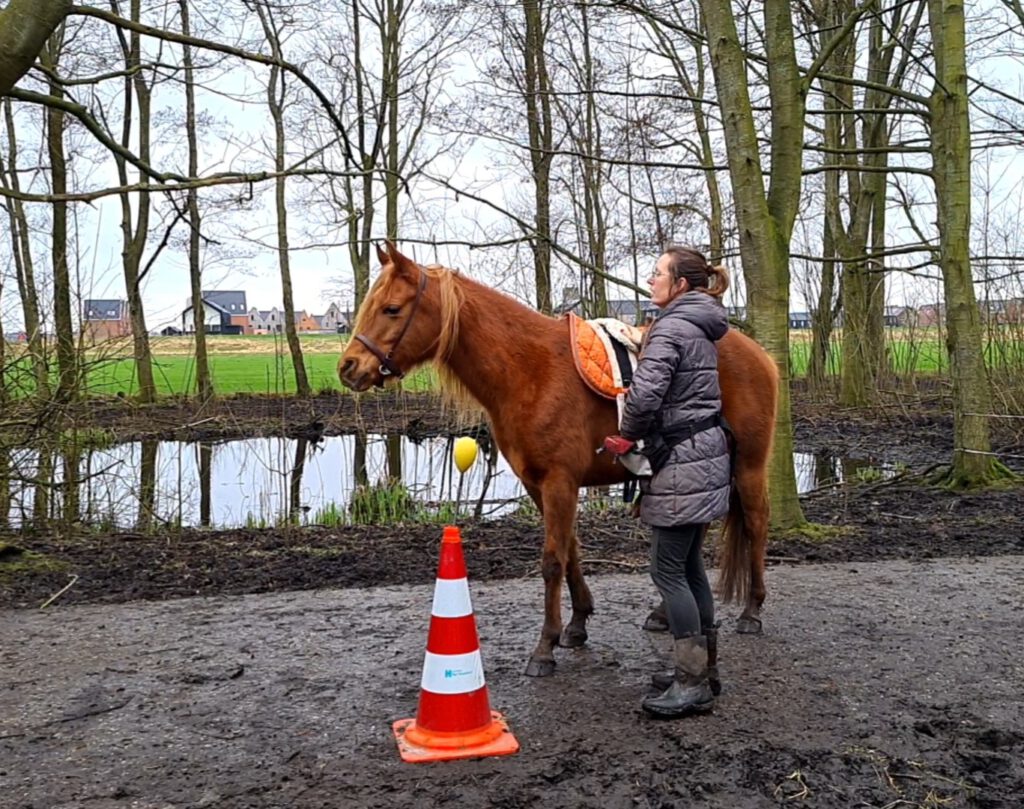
452	300
455	396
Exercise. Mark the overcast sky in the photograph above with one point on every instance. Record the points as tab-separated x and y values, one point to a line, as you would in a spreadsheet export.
243	257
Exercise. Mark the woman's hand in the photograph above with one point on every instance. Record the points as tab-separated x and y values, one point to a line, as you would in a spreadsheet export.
617	445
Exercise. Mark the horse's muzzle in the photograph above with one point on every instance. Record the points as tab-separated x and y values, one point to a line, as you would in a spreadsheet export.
350	376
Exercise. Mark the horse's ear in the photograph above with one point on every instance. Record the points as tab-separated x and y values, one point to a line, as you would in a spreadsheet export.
404	266
382	256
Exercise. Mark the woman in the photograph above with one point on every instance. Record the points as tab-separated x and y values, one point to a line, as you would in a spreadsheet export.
674	405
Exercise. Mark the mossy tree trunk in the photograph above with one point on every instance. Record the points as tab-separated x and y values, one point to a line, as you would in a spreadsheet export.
972	463
25	25
765	219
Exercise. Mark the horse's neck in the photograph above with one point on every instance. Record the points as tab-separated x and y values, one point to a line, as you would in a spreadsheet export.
498	336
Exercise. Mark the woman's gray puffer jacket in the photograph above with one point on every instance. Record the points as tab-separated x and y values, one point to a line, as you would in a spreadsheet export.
676	382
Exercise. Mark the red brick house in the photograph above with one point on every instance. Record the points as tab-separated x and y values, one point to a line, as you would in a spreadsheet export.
105	319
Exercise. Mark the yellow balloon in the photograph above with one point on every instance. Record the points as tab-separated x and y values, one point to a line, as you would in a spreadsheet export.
465	452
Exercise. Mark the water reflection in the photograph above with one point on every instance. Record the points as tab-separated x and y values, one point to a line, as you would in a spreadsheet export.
272	481
259	481
816	471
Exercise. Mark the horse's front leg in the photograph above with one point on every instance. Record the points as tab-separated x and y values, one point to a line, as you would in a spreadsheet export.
558	504
575	632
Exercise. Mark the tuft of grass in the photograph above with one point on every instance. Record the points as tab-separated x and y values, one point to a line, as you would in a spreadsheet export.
20	562
526	510
253	521
816	532
868	474
331	515
87	438
445	513
385	502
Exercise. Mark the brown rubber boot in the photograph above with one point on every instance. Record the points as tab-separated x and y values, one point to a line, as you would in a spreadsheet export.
690	692
663	679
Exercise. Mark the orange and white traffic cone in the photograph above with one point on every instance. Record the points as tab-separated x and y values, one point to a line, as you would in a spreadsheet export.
454	719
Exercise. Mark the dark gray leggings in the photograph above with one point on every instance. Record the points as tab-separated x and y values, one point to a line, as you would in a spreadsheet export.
677	570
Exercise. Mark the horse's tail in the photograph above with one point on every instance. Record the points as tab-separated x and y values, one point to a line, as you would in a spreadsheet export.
735	570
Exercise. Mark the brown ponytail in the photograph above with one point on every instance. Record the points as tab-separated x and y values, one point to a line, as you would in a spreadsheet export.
688	263
718	281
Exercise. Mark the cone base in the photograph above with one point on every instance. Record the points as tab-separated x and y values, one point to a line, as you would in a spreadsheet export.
494	740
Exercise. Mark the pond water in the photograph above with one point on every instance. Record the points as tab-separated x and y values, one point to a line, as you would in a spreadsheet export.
267	481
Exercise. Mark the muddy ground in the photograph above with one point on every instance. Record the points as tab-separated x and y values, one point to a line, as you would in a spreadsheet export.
890	672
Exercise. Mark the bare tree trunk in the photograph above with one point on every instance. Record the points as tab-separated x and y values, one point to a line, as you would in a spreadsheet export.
204	384
694	85
24	265
765	220
359	202
823	316
147	486
538	119
44	486
973	465
593	175
392	53
276	102
67	359
864	355
581	120
135	238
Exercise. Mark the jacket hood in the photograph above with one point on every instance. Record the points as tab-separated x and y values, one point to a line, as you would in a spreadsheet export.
703	311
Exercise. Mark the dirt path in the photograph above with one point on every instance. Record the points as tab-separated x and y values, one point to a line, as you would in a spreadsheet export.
885	684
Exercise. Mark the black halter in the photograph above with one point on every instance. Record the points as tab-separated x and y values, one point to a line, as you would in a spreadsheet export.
387	365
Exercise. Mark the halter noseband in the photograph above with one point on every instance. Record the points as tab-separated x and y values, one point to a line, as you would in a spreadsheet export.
387	365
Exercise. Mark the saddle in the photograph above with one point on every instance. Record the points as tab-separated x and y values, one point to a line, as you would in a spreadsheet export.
605	352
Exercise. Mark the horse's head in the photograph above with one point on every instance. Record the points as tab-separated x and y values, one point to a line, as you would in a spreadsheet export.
399	326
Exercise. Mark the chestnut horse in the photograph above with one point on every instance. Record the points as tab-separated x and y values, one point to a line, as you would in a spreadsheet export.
518	365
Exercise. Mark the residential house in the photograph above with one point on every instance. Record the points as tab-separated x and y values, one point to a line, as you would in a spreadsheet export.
334	320
800	320
931	314
223	312
1002	311
899	316
266	321
628	310
305	322
104	319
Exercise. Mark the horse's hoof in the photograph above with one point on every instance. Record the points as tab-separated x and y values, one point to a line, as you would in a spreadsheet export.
540	668
745	625
572	638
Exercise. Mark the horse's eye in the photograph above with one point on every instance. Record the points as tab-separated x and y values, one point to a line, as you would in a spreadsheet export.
392	311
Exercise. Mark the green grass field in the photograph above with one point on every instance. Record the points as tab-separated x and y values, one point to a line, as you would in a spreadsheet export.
238	364
920	353
262	365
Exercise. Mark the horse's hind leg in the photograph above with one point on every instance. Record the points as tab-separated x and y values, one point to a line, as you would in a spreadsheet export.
753	494
558	498
575	632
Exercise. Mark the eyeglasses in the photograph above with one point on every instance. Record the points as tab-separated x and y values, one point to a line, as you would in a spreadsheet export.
654	276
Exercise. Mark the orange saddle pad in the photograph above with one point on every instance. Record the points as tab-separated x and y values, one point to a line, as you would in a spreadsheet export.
594	357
